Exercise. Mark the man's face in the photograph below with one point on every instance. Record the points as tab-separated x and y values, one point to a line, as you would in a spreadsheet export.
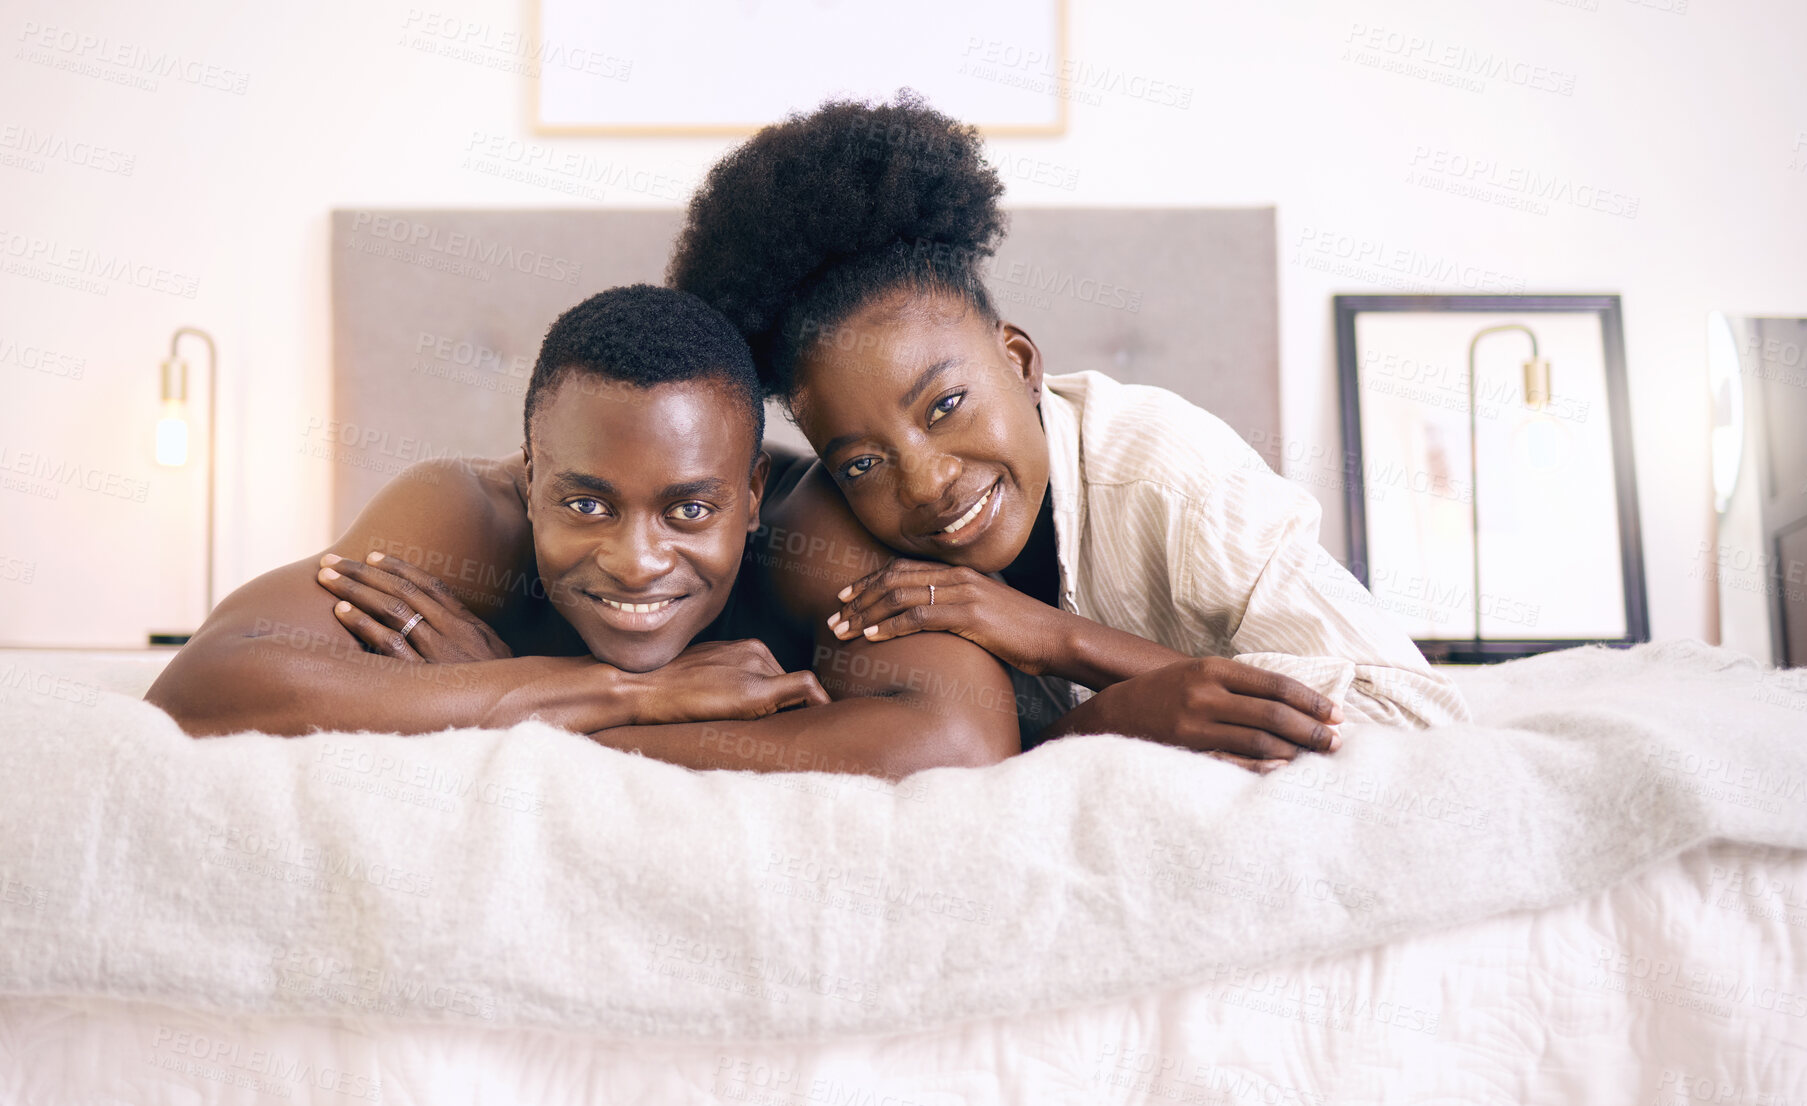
640	502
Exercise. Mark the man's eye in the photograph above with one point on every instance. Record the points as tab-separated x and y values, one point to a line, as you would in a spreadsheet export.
857	466
691	512
945	406
586	506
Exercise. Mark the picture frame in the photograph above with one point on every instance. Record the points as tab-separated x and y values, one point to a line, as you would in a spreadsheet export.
1492	498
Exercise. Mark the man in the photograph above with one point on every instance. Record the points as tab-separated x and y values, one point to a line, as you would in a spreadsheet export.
573	582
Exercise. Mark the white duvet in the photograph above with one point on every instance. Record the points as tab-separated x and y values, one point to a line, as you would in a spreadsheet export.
1681	985
1595	893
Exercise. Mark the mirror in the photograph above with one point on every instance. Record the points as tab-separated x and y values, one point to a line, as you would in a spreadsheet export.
1757	368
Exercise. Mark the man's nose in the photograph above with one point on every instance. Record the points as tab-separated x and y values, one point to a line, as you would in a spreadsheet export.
636	556
925	477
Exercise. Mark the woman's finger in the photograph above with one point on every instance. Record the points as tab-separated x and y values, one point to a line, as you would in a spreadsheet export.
1243	741
1248	679
862	583
909	621
382	639
1282	721
882	606
881	599
896	569
880	591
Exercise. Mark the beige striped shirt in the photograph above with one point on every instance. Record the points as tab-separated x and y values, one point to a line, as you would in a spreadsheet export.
1171	527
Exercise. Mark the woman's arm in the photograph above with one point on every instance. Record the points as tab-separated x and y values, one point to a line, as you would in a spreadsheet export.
1252	717
1301	616
1018	629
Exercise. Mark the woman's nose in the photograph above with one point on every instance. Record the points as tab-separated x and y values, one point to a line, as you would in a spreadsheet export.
926	478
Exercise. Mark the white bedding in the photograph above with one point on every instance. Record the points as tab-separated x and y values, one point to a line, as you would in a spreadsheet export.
1525	909
1683	984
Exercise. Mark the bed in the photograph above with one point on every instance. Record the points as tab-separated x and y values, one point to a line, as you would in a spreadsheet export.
1595	892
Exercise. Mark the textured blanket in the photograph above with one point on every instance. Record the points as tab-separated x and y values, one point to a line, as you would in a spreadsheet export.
529	877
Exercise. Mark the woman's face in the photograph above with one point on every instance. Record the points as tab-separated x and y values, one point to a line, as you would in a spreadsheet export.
925	415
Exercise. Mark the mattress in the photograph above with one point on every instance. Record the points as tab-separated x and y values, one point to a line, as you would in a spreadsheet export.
1638	936
1685	984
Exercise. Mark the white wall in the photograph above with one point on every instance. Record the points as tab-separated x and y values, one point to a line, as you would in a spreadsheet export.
1699	115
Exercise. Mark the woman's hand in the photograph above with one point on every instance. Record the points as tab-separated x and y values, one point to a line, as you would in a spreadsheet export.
380	599
908	596
1246	714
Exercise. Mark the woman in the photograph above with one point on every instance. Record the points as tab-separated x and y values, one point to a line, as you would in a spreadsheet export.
1083	531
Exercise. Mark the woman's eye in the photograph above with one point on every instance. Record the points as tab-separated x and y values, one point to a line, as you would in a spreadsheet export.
857	466
691	512
945	406
586	506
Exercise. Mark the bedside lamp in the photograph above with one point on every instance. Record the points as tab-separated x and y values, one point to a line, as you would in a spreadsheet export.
1536	397
172	425
172	436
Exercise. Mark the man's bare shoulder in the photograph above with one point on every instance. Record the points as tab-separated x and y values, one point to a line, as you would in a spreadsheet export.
474	498
810	546
462	519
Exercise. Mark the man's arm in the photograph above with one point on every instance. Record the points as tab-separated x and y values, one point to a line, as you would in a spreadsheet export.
923	701
273	657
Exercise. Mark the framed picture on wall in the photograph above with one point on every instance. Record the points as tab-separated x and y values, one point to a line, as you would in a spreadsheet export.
1491	494
733	66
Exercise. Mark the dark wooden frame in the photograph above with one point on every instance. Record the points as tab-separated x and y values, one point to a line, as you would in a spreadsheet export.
1467	650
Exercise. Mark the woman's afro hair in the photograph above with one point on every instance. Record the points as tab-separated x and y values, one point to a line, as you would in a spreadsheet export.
813	217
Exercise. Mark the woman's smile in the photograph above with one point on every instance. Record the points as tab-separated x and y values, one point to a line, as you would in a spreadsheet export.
972	524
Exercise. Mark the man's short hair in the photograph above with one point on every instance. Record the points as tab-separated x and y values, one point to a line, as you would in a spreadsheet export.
645	335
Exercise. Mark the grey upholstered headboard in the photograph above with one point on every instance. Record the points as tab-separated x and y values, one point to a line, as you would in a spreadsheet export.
437	316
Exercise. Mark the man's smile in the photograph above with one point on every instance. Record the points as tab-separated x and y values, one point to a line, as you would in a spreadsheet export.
640	616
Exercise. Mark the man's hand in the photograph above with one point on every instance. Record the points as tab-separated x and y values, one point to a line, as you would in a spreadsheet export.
718	680
710	682
1241	713
378	602
907	596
